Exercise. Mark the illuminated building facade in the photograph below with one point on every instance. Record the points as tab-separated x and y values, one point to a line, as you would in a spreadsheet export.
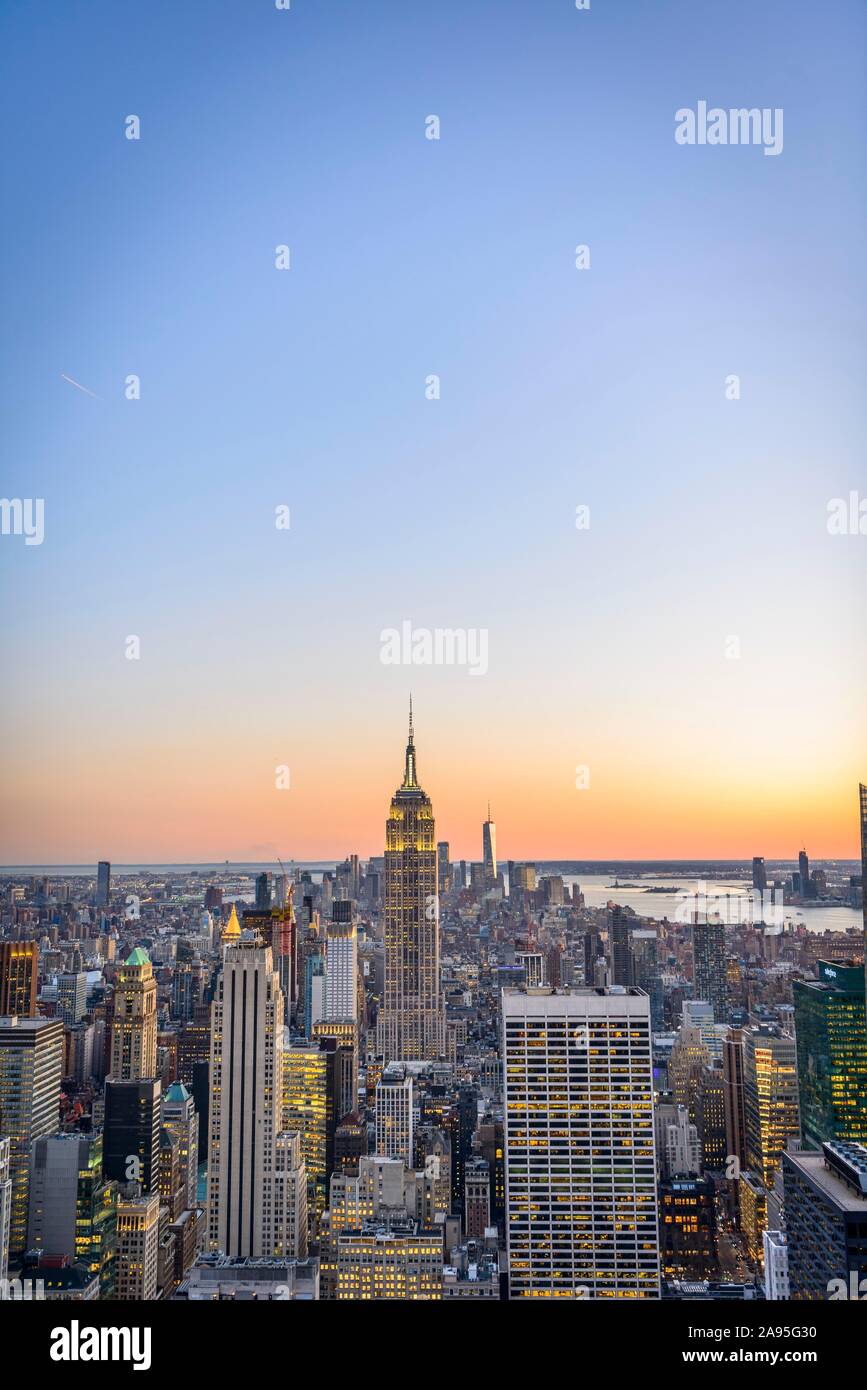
831	1038
581	1211
411	1023
138	1233
687	1228
399	1263
19	968
134	1021
310	1102
770	1098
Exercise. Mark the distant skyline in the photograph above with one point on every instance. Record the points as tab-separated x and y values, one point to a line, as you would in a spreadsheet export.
608	648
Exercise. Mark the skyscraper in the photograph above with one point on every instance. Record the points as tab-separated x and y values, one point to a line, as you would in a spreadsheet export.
710	965
134	1020
443	866
250	1202
131	1140
394	1114
72	996
831	1037
826	1221
619	948
31	1062
489	849
311	1098
19	967
341	970
103	883
263	892
581	1212
770	1098
804	874
180	1119
138	1235
72	1206
412	1022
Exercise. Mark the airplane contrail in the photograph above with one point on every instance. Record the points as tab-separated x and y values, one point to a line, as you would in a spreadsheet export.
80	387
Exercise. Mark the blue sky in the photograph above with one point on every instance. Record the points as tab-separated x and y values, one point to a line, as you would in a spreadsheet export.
559	387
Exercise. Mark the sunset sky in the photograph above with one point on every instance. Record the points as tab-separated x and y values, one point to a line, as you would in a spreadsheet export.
609	648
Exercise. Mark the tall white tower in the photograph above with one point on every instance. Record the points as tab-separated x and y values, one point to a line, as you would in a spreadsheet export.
252	1203
341	971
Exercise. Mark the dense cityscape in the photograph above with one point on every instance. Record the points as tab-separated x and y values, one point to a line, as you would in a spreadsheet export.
416	1078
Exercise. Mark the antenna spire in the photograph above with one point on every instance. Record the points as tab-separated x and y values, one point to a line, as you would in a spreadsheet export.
409	779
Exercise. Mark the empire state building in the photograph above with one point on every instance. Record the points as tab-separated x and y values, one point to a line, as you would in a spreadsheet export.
411	1022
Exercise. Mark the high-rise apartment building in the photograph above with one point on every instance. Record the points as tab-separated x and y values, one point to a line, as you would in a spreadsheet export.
19	969
831	1039
710	966
581	1209
412	1021
134	1020
31	1061
804	874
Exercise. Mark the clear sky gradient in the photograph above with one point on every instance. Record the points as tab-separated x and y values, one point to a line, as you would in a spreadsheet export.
559	387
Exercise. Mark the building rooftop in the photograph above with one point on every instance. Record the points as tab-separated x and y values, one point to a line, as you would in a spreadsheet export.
836	1172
